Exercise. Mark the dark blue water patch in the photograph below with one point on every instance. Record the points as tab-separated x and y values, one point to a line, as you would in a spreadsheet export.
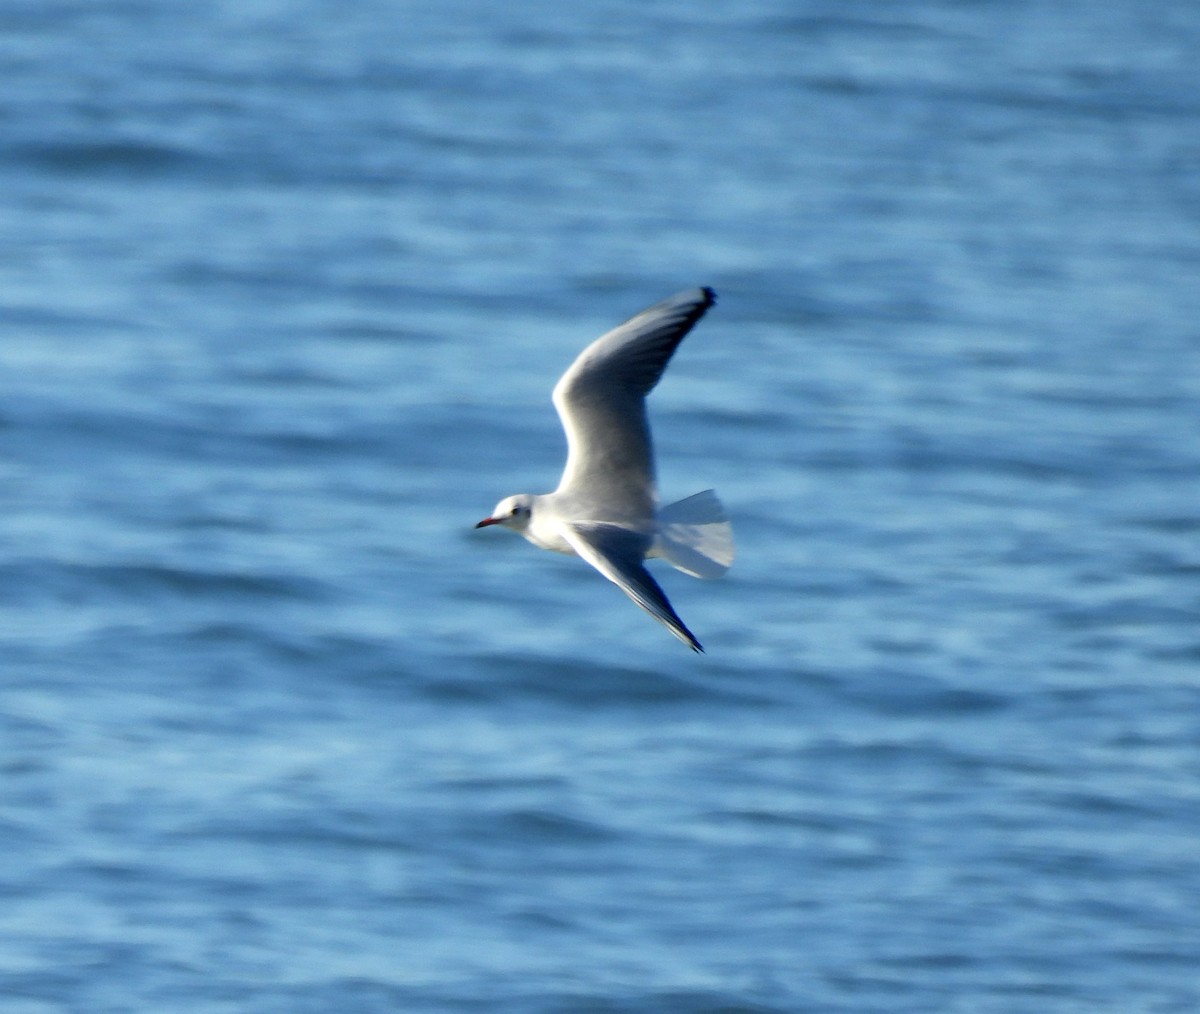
1114	617
560	679
913	646
1034	459
43	988
618	997
303	654
732	424
245	677
100	431
152	580
942	961
853	28
133	160
153	882
291	279
1183	653
902	693
26	837
685	1001
538	828
1067	864
27	580
1170	524
373	330
1183	562
248	427
26	736
57	321
315	828
354	994
880	749
1104	804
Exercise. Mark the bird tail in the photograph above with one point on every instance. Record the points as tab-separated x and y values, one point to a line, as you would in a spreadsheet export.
695	536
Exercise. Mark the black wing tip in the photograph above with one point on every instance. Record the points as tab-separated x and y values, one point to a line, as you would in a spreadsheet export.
694	308
688	638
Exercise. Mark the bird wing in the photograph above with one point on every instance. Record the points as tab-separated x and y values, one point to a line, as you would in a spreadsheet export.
601	402
617	553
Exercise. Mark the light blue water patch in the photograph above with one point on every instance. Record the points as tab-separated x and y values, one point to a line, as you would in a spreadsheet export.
285	291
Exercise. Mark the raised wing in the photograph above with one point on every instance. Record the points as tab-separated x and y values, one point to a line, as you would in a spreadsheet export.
618	553
601	402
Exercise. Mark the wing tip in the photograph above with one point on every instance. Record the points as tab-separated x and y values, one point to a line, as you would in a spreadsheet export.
685	635
710	295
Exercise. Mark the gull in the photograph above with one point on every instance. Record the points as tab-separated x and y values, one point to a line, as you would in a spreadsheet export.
605	509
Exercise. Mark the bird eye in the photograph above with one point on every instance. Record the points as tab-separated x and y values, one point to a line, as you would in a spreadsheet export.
516	511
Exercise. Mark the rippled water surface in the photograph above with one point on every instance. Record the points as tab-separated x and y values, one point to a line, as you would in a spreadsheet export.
284	288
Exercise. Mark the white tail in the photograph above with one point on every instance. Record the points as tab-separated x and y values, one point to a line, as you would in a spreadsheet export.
695	536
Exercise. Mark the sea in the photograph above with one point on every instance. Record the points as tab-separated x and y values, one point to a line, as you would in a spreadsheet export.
285	286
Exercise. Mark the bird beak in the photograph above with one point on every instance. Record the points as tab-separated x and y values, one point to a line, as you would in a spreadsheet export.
488	521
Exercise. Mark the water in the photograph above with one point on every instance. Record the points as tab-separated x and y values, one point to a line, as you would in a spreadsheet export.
285	289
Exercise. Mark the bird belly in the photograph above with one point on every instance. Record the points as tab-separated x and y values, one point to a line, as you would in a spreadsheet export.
548	537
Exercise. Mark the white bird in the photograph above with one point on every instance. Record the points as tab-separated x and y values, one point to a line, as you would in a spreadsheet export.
606	506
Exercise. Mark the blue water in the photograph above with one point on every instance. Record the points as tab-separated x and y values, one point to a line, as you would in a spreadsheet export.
284	288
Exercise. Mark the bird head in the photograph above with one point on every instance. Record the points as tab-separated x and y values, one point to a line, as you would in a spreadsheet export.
512	512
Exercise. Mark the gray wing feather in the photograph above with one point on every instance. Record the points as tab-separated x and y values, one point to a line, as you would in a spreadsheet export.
618	553
601	402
